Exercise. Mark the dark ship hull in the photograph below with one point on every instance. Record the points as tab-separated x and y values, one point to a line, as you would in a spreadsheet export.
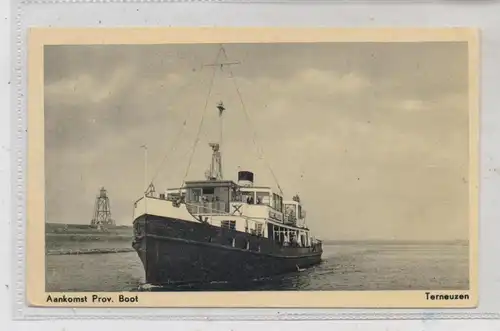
177	251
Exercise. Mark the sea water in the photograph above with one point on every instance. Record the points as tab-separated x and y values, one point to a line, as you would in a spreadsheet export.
354	266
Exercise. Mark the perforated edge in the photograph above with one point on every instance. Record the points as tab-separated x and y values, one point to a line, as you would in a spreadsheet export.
21	311
333	2
18	163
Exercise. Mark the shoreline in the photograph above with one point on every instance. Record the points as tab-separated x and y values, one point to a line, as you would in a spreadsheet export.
80	239
86	236
90	251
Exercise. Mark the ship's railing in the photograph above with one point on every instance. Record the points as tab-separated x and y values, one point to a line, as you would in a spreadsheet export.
207	208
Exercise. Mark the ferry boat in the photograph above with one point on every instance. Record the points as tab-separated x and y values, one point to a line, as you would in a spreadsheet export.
216	229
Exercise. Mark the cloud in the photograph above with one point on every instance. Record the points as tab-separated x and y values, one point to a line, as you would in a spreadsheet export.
86	88
327	82
309	84
412	105
364	139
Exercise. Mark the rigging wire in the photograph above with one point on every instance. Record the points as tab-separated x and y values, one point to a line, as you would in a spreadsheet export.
195	144
179	132
254	138
201	123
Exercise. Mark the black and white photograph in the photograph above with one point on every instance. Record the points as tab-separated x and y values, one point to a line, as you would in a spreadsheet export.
287	166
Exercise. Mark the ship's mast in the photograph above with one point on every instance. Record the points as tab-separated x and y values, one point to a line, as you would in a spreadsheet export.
215	172
221	108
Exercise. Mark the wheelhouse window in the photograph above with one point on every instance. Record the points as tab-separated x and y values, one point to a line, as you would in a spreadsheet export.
231	225
277	203
208	190
248	197
263	198
196	194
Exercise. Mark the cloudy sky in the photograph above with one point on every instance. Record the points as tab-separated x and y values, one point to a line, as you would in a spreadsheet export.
373	136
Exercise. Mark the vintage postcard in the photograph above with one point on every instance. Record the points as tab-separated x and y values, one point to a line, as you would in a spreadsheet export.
252	167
